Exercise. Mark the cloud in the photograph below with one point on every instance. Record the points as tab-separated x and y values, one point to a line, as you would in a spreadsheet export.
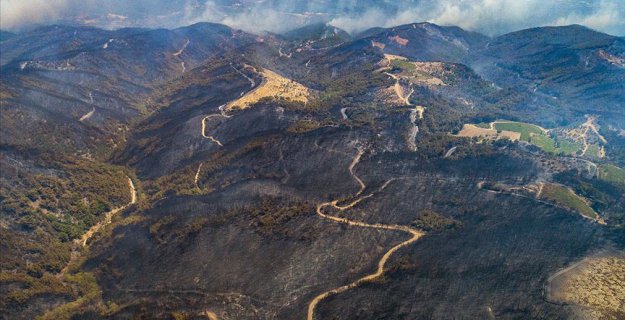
279	17
491	17
494	17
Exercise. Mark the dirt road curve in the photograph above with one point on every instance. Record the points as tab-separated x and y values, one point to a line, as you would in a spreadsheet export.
415	235
109	215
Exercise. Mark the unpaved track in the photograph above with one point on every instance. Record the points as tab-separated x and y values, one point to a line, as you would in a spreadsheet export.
109	215
540	190
197	175
184	46
252	82
211	315
450	152
399	91
87	115
211	138
223	108
415	235
343	114
75	254
549	282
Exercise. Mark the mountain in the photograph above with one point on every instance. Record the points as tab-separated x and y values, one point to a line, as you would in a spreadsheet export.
418	172
581	68
425	41
93	80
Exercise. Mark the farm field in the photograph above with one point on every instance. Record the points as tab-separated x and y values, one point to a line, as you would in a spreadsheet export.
470	130
611	173
540	137
564	197
526	129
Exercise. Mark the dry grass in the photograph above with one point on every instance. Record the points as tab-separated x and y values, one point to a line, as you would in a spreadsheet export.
391	57
469	130
273	86
597	284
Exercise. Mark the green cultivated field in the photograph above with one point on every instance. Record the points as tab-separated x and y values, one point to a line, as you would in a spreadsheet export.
593	151
544	142
568	147
535	135
404	65
566	198
610	173
525	129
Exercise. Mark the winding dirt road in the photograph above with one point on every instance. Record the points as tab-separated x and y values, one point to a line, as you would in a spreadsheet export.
211	138
223	109
222	113
179	52
415	235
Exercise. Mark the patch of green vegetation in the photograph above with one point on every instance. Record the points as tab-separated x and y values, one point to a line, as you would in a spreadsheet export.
611	173
593	151
606	197
271	215
484	125
525	129
564	197
567	147
71	202
544	142
303	126
403	65
430	220
88	296
32	286
181	183
535	135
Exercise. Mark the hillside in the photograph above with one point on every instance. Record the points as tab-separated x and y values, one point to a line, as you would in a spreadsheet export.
418	171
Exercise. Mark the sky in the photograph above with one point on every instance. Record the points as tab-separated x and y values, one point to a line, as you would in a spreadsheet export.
491	17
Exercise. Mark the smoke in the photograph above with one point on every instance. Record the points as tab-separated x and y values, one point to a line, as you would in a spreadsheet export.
494	17
491	17
609	17
15	13
279	17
